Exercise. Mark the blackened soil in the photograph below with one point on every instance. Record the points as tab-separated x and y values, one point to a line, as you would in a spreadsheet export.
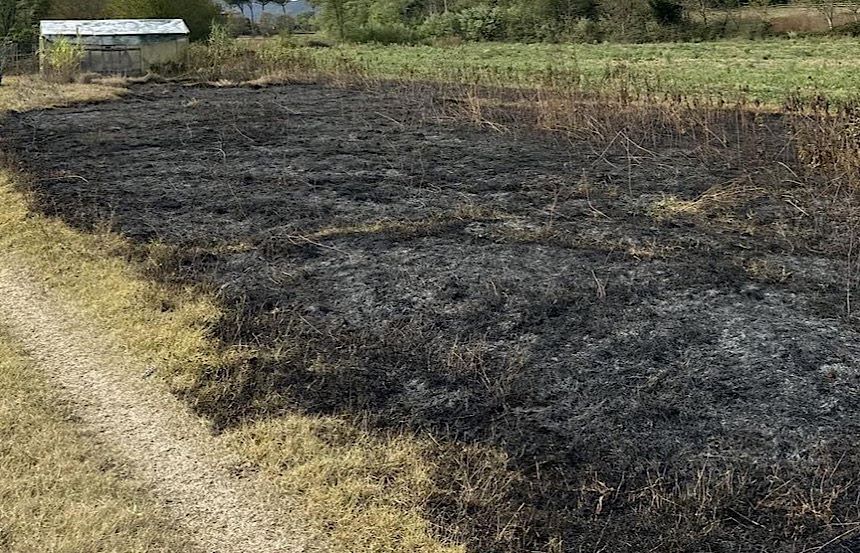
676	381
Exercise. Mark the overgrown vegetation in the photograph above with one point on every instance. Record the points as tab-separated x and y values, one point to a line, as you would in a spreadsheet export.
62	60
558	20
720	73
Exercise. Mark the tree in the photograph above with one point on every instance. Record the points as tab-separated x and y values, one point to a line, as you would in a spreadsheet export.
250	4
198	14
18	18
282	3
77	9
565	10
624	19
8	18
238	4
334	15
666	12
827	8
263	4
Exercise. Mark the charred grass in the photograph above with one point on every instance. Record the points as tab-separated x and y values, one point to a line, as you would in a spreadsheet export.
577	323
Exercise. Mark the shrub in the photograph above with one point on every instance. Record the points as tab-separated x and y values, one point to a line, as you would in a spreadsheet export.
850	29
666	12
584	30
525	24
391	33
220	44
62	60
625	20
219	56
481	23
237	25
440	25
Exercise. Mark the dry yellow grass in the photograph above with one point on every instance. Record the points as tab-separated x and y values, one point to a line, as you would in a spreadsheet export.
365	492
722	196
59	491
367	489
83	267
26	93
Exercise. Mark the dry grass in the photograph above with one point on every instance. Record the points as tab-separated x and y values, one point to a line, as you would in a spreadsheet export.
788	18
26	93
461	215
366	493
369	490
82	266
59	491
722	196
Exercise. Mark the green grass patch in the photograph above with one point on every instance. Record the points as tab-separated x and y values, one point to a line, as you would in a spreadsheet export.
766	71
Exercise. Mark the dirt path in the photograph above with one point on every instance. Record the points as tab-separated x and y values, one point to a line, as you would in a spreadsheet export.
163	444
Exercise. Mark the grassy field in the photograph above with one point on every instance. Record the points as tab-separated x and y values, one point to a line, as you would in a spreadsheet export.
59	491
767	71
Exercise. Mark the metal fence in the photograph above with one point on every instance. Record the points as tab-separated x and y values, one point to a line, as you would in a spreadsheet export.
17	58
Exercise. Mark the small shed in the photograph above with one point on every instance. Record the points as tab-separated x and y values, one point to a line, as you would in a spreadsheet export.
120	46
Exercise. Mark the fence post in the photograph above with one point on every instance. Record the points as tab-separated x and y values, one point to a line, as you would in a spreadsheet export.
3	62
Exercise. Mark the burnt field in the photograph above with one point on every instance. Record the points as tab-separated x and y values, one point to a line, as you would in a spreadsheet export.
658	336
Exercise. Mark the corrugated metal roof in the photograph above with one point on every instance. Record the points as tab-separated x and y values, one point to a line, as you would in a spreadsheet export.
113	27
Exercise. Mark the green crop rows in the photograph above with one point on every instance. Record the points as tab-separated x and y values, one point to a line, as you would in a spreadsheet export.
766	71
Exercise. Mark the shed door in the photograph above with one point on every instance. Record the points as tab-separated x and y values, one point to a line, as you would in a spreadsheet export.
113	60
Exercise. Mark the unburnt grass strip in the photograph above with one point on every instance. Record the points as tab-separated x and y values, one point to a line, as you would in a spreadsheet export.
61	489
23	93
163	444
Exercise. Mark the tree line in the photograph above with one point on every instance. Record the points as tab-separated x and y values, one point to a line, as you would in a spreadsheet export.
19	18
388	21
243	5
545	20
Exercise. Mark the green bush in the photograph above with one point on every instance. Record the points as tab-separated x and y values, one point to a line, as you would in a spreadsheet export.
392	33
62	60
524	24
481	23
217	58
440	25
221	44
584	30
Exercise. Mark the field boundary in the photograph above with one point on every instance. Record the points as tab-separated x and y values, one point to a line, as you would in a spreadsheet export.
166	446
